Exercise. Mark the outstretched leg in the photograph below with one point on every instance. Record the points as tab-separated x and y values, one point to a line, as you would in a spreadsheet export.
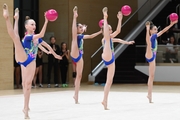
74	44
20	54
149	53
107	53
16	17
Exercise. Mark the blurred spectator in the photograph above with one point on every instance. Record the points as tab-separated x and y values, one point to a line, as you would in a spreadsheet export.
38	71
166	37
171	51
53	62
64	63
176	30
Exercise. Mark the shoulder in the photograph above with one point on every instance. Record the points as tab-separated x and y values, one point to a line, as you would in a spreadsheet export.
154	36
28	37
80	36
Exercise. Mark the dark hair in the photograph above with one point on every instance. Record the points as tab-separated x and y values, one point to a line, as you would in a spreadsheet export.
27	18
77	24
151	25
52	37
62	45
174	39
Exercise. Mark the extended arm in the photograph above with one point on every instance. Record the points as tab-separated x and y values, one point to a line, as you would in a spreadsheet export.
122	41
92	35
51	50
166	28
43	49
118	29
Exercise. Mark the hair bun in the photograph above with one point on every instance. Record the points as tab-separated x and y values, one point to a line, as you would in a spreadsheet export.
27	18
151	23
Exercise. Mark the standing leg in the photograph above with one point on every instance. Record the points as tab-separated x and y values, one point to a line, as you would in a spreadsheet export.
27	77
110	75
152	66
79	69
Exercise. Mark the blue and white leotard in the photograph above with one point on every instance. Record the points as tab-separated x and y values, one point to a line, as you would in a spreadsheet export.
31	48
80	46
113	57
154	46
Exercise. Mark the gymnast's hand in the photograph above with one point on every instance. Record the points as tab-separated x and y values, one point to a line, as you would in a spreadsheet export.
119	15
84	28
148	25
174	22
131	42
46	20
49	52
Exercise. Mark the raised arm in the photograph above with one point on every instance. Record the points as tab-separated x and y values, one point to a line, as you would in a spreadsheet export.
122	41
43	49
92	35
41	34
118	29
51	50
166	28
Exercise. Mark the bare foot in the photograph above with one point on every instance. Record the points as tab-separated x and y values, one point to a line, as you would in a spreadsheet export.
26	116
105	105
150	99
76	100
5	11
105	10
16	15
75	11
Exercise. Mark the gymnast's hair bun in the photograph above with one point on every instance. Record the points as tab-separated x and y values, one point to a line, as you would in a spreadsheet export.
27	18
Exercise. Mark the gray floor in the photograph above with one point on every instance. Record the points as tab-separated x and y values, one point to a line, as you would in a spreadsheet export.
126	102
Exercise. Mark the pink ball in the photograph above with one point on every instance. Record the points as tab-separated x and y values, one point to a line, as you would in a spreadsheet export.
126	10
101	23
51	15
173	17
